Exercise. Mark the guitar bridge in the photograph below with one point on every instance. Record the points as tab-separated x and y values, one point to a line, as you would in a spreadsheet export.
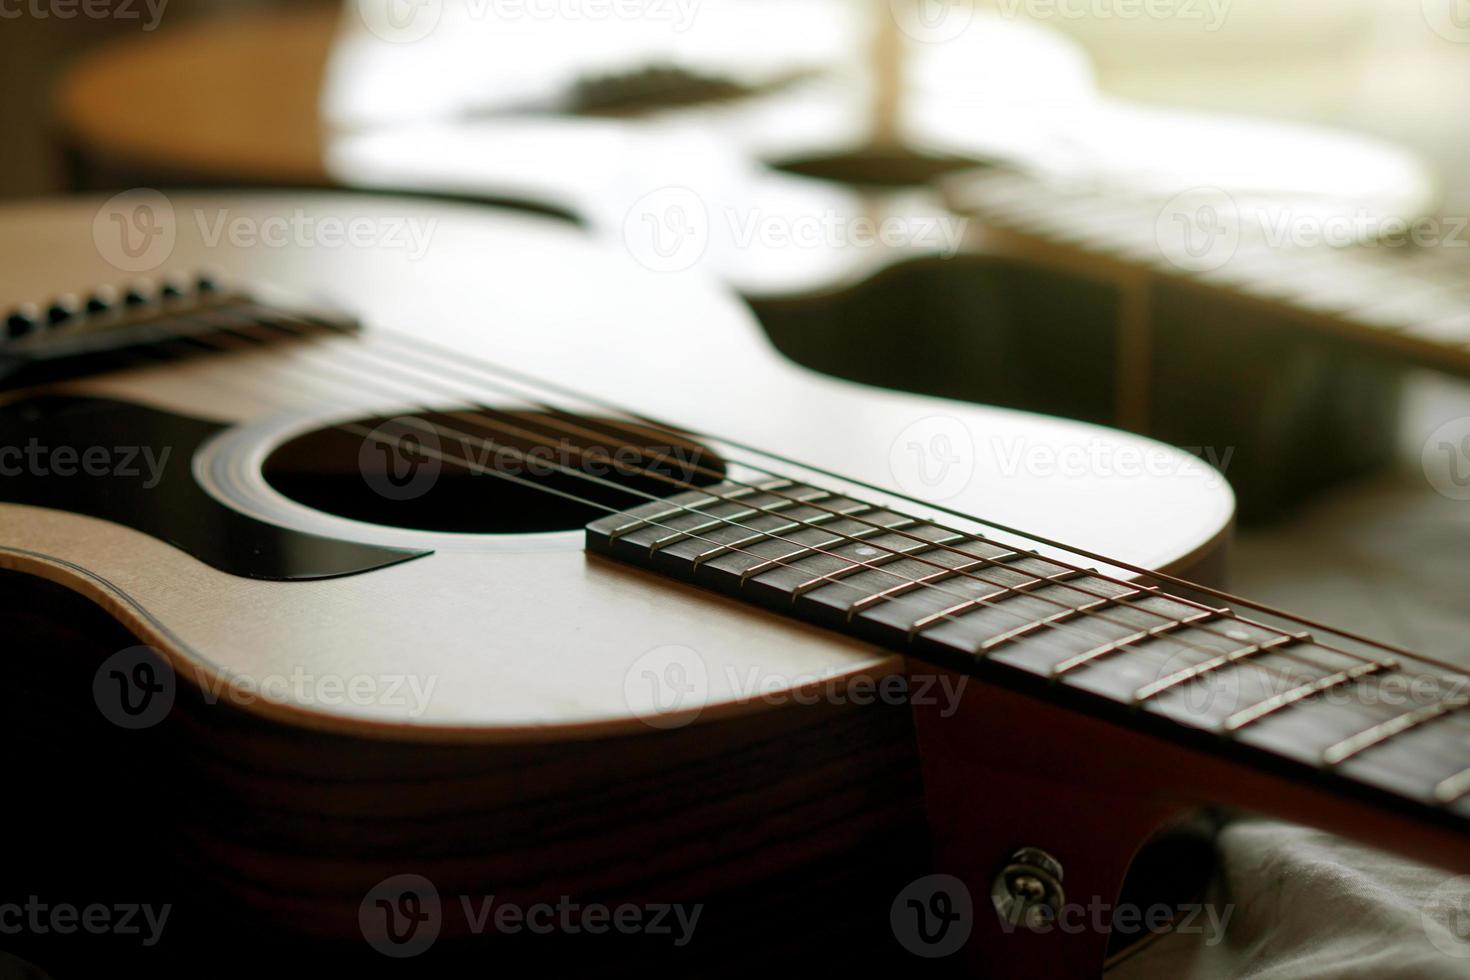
69	338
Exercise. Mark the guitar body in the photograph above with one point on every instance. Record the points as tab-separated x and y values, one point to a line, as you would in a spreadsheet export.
352	701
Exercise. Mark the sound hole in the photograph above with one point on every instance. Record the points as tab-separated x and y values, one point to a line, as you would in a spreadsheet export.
486	472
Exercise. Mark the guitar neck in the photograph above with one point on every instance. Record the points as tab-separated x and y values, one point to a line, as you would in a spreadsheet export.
1410	301
1373	721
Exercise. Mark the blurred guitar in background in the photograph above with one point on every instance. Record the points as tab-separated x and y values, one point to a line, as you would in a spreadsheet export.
826	169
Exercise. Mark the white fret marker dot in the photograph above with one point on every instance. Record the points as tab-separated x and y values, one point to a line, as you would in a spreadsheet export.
865	551
1240	635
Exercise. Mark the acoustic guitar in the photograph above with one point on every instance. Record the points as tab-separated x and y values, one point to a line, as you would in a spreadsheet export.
380	600
810	177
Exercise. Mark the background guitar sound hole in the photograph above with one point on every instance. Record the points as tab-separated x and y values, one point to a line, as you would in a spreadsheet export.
413	472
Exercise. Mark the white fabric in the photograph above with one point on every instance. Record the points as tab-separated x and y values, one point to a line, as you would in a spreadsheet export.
1389	557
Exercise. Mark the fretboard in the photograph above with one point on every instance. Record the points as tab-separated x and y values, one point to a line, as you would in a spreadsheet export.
1412	301
971	604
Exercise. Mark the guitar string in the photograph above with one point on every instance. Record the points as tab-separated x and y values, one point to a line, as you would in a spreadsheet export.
1012	592
527	380
566	427
1234	655
1174	679
1172	622
1441	793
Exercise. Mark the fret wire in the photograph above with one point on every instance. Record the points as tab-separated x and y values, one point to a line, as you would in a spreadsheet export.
1362	741
1188	674
735	518
854	569
1066	613
1088	656
776	532
732	519
1276	702
904	588
809	551
1022	588
1054	618
632	526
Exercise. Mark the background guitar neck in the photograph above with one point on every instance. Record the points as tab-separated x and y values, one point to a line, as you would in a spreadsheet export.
1408	301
